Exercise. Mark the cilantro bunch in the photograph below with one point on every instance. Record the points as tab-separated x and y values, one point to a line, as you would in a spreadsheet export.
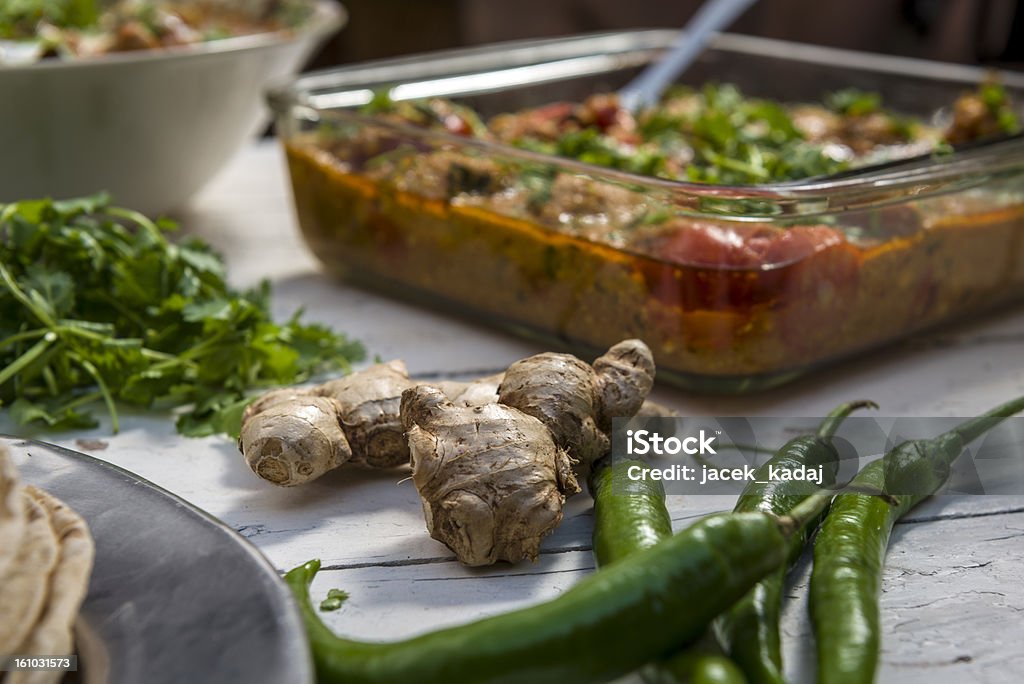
96	304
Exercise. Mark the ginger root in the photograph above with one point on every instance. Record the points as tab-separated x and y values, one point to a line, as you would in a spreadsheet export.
290	436
474	393
577	401
370	401
491	479
492	459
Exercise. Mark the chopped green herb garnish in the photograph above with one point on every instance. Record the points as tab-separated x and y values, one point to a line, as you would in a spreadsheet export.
994	95
538	180
853	102
714	135
656	216
737	140
335	597
380	103
590	146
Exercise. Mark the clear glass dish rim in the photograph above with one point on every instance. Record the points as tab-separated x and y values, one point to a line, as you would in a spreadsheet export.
857	190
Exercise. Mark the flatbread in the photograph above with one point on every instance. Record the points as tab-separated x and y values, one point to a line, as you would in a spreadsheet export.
12	511
68	583
25	582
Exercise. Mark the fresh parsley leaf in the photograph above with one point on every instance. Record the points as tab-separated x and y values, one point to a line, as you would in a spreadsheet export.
216	414
52	290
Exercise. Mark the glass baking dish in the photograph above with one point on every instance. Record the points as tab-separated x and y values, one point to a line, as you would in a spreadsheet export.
846	263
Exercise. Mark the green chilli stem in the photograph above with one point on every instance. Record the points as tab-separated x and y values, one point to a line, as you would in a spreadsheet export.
828	427
804	513
972	429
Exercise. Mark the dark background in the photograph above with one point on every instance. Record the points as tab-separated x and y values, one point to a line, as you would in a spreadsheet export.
969	31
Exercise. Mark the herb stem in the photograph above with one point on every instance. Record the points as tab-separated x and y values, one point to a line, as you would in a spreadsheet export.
50	380
141	220
27	302
104	339
108	398
33	353
80	401
23	336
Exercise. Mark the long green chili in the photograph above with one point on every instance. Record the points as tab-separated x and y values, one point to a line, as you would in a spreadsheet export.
849	552
640	608
749	630
629	516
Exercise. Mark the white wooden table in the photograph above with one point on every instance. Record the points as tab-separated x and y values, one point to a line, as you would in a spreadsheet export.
953	602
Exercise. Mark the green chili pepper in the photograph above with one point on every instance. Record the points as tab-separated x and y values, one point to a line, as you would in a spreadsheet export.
629	516
850	549
641	608
700	664
749	631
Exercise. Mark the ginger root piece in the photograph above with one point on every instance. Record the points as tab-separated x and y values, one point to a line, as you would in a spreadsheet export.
625	376
290	437
490	477
474	393
577	401
370	401
560	391
293	435
492	459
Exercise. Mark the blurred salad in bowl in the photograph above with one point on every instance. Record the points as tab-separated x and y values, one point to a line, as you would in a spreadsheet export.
32	30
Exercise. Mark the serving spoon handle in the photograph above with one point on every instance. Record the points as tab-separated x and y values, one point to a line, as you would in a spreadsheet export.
711	17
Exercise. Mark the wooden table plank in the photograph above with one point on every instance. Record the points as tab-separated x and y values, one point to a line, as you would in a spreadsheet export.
952	603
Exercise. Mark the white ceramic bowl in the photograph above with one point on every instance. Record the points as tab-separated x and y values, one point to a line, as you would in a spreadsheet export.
149	127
